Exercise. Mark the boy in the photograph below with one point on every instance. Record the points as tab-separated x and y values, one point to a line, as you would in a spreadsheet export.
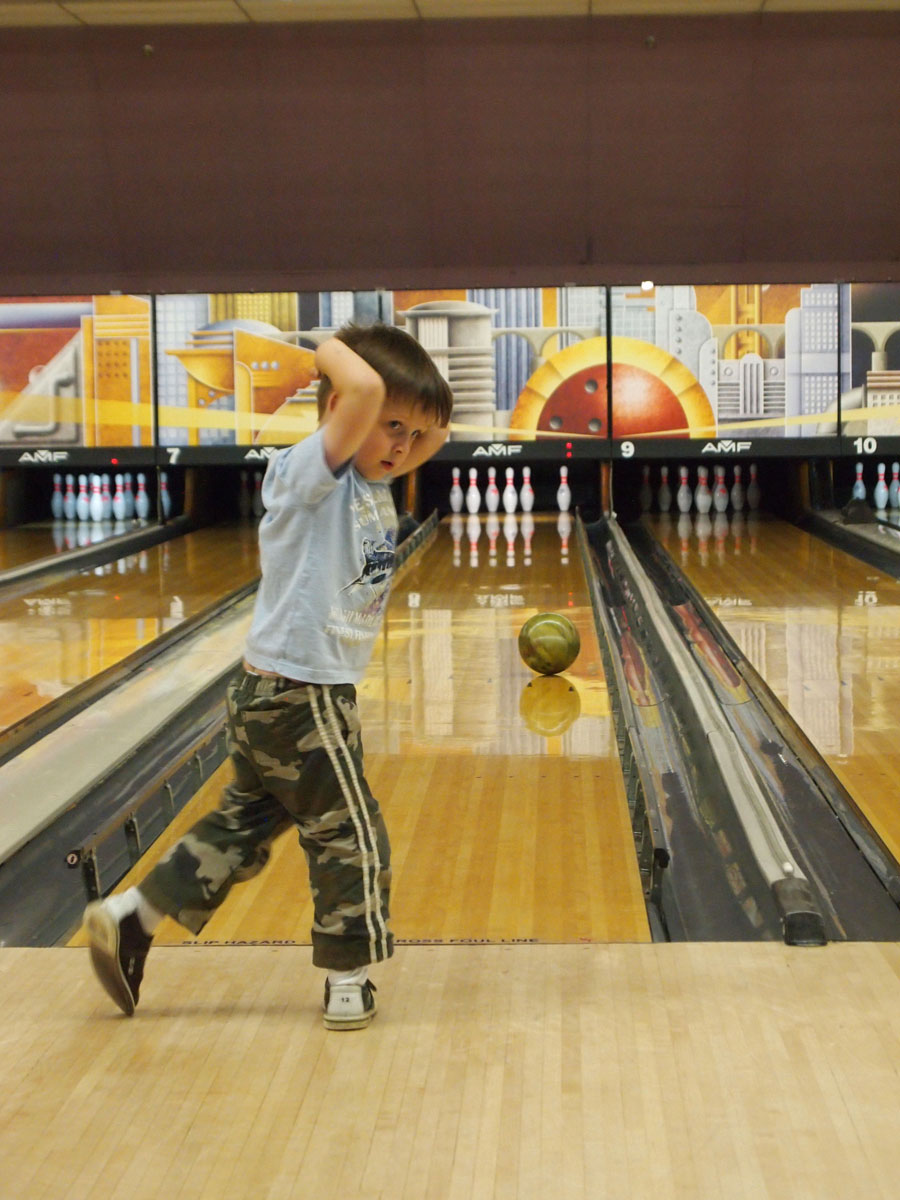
326	545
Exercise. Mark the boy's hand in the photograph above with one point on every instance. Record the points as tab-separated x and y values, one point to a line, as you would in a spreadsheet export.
354	404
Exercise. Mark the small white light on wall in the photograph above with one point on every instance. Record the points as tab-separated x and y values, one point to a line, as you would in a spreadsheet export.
647	285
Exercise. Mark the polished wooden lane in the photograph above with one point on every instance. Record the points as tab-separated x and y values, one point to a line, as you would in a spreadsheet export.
500	832
596	1072
822	629
65	631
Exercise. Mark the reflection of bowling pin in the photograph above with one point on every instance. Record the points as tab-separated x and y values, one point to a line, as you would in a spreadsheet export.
473	496
245	504
96	499
142	500
859	487
645	495
664	495
720	533
737	491
56	500
683	497
720	491
526	495
473	532
880	495
493	531
492	492
753	490
702	494
564	529
704	529
527	535
456	532
510	529
563	492
664	529
685	528
753	530
69	500
510	495
737	531
82	503
456	493
894	489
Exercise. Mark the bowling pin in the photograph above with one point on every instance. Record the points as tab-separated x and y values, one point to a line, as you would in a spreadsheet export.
645	495
257	504
510	495
96	499
107	498
753	496
737	491
564	529
141	500
492	492
859	487
720	491
456	493
82	502
527	535
118	500
473	532
702	494
510	530
526	495
165	500
245	503
473	496
894	489
684	498
880	494
563	492
456	532
129	496
56	500
664	495
69	499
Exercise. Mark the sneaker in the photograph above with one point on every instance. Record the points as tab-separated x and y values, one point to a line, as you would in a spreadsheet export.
349	1005
118	951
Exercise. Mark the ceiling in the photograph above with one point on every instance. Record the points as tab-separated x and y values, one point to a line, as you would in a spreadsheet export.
30	13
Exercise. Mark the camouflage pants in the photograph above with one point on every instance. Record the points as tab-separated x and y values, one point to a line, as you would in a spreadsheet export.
298	758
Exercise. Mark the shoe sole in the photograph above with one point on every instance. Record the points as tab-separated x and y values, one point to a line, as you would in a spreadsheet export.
348	1023
103	933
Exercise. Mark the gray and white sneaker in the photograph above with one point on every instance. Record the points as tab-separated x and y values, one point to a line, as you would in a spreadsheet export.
349	1005
118	950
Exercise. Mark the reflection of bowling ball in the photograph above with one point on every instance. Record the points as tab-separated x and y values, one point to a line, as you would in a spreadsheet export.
643	403
549	704
548	643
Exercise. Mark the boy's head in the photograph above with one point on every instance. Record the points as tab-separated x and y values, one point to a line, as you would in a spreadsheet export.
408	372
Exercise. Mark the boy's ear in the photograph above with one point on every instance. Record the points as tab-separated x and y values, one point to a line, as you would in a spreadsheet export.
330	403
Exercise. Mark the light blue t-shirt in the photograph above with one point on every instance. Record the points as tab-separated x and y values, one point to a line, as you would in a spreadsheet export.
326	545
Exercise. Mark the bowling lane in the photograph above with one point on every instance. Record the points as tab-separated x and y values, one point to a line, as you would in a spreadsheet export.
67	630
505	803
822	629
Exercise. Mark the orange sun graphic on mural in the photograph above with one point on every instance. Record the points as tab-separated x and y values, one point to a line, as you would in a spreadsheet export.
654	393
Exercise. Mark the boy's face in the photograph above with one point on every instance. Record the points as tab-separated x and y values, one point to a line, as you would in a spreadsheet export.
385	450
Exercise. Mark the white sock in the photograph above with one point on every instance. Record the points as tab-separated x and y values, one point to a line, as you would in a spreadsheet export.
131	901
358	976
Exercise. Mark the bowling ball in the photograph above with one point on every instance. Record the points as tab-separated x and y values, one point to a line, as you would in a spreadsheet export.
549	704
643	403
548	643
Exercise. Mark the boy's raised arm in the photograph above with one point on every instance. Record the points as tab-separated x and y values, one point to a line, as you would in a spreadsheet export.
356	400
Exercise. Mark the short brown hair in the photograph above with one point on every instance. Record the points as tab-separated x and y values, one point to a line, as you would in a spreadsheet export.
405	366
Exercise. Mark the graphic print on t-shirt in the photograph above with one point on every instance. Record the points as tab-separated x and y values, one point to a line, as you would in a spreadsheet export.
363	598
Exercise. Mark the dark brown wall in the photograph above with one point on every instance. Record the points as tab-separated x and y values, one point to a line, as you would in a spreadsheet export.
422	154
